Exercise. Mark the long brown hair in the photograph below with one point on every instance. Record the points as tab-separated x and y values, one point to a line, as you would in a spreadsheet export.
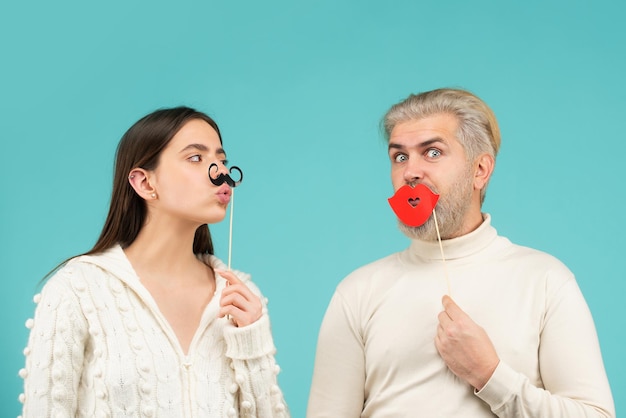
141	146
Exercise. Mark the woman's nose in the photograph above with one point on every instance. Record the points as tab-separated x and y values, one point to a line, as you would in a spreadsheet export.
218	167
222	167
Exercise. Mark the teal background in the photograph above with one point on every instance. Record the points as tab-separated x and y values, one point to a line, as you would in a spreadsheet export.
298	90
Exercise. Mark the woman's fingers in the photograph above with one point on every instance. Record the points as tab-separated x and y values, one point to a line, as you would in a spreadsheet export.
238	301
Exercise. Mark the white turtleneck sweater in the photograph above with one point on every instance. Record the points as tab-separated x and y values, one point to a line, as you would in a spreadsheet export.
376	355
100	347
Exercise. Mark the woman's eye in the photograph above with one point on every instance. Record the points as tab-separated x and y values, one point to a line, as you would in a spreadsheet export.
195	158
225	162
400	158
433	153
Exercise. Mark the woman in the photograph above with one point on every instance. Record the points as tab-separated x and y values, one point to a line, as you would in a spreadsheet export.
149	323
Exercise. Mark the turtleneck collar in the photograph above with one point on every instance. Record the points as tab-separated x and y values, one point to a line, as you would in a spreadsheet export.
454	248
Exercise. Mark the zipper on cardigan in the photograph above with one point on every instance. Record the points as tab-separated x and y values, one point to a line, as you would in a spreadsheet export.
187	394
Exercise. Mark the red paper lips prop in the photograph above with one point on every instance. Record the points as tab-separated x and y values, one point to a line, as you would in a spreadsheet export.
413	205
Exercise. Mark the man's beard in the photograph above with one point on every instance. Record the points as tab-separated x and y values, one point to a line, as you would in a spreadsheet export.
451	210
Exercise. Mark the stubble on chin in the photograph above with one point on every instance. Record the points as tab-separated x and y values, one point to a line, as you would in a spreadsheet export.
425	232
451	212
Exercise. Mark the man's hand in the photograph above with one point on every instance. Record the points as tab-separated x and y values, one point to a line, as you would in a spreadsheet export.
464	346
243	306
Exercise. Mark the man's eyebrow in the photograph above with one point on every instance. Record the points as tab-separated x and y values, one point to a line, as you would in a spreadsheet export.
428	142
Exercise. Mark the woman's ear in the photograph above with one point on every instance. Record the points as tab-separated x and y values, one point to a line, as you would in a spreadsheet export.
139	180
485	164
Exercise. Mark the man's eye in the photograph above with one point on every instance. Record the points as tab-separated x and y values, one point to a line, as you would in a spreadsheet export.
400	158
433	153
195	158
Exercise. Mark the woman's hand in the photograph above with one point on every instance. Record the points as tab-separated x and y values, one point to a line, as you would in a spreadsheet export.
243	306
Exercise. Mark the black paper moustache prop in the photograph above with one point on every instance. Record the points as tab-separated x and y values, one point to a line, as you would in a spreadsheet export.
225	178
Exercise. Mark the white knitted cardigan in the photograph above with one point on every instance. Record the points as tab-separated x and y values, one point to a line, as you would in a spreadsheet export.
100	347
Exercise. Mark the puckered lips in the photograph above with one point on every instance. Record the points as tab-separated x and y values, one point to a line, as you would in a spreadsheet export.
223	194
413	205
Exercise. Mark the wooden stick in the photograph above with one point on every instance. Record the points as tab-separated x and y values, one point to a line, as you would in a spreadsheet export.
230	228
230	234
445	268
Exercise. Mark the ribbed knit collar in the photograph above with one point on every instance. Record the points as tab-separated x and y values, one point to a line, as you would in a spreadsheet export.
455	248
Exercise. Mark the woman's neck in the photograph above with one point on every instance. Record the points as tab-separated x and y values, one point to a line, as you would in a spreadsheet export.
164	253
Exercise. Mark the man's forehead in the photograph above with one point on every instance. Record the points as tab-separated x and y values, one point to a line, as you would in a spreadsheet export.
410	136
438	125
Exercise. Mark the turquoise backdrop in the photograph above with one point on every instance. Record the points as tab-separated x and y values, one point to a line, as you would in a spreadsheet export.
298	89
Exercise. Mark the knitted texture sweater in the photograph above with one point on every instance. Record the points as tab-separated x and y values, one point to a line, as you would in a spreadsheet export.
376	354
100	347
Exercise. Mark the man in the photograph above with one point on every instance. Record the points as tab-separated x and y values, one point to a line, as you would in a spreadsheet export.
463	323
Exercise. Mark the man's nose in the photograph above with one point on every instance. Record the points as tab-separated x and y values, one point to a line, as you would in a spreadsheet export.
413	171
